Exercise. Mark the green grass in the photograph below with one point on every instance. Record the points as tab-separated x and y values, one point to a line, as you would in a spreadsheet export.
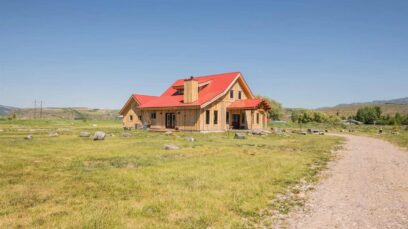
389	132
395	134
217	181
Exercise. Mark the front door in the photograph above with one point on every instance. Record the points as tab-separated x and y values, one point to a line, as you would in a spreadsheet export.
236	121
170	120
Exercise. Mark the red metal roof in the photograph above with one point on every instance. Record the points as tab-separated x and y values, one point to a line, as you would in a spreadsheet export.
248	104
143	99
218	84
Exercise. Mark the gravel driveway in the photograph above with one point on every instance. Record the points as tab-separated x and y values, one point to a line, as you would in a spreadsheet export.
366	188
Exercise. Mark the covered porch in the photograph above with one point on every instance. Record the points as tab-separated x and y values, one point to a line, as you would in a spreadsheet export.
248	114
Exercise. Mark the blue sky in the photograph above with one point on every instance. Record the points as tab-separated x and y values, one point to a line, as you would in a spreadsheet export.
301	53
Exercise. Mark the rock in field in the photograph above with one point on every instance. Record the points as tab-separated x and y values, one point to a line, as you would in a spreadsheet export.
99	135
126	134
84	134
28	137
53	134
240	136
168	133
171	147
190	139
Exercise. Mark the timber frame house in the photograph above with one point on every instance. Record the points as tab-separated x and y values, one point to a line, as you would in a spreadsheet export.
212	103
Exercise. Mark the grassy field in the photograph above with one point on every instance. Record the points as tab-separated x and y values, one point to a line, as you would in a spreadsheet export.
395	134
217	181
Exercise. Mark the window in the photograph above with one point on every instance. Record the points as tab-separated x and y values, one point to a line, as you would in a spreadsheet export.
243	117
215	117
207	117
257	118
153	115
131	118
232	94
240	95
227	118
140	118
179	92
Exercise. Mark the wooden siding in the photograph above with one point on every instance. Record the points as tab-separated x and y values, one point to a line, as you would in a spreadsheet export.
133	111
190	91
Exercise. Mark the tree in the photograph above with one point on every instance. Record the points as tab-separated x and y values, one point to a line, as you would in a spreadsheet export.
368	115
277	111
306	116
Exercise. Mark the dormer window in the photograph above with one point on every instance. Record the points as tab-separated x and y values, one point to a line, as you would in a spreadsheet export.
179	92
232	94
240	95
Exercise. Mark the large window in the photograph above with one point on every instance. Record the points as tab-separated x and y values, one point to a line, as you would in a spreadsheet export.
207	117
215	117
227	118
240	95
153	115
232	94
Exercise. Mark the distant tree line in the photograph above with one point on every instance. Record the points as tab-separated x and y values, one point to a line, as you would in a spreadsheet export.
307	116
373	115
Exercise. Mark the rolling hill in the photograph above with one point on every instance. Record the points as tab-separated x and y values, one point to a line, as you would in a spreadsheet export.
6	110
388	107
60	113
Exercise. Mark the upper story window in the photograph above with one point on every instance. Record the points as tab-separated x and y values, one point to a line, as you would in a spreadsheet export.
131	117
240	95
232	94
179	92
153	115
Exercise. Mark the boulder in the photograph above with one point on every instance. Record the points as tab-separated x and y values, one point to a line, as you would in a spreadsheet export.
171	147
240	136
28	137
190	139
169	133
321	133
303	133
126	134
99	135
53	134
84	134
257	132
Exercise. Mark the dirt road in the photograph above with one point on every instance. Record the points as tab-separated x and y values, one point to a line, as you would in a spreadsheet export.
366	188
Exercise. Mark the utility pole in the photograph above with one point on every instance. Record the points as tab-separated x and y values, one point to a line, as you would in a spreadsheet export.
35	109
41	109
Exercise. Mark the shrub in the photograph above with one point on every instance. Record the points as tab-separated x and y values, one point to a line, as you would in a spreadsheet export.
368	115
277	111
